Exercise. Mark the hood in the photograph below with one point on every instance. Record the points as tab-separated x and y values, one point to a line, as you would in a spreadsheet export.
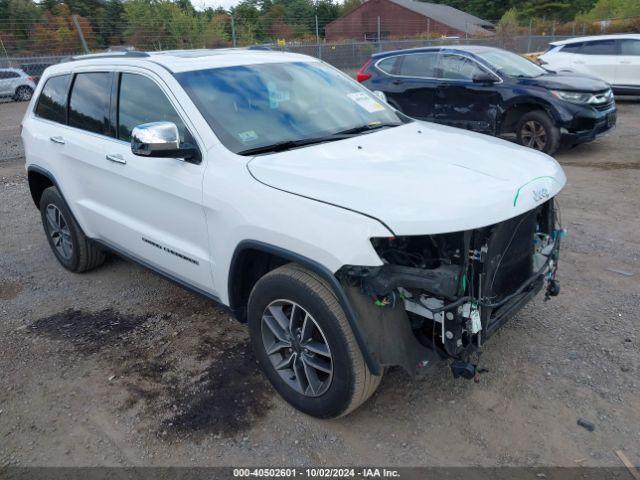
567	81
417	179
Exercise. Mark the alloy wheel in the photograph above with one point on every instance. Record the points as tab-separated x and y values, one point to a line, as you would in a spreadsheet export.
58	230
533	135
24	94
297	348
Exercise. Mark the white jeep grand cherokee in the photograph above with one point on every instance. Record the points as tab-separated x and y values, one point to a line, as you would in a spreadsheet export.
349	236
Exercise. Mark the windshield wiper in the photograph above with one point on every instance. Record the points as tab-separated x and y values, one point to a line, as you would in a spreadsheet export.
303	142
290	144
367	128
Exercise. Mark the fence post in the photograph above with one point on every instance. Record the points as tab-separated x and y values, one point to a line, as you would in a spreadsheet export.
379	46
5	53
318	39
466	32
429	30
80	34
529	42
233	31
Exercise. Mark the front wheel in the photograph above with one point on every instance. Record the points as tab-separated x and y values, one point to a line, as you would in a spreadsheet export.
23	94
536	130
303	342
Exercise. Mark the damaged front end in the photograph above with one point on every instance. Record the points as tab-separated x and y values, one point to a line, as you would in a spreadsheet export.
442	296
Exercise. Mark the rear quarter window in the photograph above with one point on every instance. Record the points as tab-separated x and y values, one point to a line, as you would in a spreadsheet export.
52	103
572	48
388	65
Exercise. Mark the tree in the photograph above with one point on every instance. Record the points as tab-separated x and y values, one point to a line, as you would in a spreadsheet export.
160	25
490	10
609	9
548	9
508	25
111	25
327	12
20	17
248	22
217	34
349	6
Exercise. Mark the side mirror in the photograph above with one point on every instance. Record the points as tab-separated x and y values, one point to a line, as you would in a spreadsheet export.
484	77
160	139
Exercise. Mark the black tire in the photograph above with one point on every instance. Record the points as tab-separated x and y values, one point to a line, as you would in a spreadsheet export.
23	94
536	130
351	383
83	254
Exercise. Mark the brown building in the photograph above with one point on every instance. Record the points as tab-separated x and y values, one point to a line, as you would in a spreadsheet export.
405	18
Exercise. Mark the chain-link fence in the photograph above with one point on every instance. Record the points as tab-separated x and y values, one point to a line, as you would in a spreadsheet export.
352	55
34	45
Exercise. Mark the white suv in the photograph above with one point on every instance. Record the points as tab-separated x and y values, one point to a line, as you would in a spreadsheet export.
613	58
349	236
15	83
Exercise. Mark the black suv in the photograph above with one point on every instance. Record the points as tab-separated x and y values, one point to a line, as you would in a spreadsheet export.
493	91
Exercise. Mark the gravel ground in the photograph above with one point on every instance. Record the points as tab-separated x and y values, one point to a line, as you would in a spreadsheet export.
120	367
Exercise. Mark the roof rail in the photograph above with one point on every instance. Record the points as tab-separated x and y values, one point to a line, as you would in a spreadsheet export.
126	54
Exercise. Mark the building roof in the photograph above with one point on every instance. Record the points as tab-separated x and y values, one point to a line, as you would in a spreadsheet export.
452	17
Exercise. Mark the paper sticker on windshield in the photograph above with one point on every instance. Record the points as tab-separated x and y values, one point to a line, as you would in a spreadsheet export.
248	136
366	102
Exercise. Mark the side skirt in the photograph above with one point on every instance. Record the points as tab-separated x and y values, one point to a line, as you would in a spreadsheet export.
168	276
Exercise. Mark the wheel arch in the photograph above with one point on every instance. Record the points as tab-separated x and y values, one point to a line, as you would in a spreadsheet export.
263	258
39	180
510	116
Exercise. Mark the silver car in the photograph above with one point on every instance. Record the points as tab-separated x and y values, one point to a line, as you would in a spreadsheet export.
17	84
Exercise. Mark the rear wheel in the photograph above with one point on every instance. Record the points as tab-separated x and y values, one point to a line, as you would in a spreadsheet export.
303	342
536	130
71	247
23	94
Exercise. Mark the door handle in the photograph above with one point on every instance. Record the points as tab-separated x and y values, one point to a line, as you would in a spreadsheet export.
579	62
625	62
58	140
397	82
116	159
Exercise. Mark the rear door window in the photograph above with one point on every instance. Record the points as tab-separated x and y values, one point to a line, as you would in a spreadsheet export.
8	74
142	101
630	47
457	67
419	65
90	102
52	103
599	47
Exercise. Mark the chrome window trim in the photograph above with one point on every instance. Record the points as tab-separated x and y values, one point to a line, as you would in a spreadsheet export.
117	69
483	67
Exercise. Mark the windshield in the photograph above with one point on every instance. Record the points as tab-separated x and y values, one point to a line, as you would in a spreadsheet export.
512	64
250	107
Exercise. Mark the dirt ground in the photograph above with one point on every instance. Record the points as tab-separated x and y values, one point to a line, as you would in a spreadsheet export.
120	367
